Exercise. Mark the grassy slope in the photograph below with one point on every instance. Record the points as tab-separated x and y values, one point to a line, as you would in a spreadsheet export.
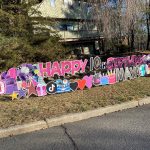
37	108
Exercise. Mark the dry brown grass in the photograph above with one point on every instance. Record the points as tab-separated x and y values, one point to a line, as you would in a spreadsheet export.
37	108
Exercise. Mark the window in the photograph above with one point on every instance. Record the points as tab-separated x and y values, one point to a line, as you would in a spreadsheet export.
70	28
96	45
76	27
52	2
79	4
63	27
66	27
89	8
86	50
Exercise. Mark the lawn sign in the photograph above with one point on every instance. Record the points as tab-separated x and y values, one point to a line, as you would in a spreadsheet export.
38	79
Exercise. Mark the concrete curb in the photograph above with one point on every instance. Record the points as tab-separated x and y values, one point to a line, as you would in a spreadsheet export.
21	129
89	114
144	101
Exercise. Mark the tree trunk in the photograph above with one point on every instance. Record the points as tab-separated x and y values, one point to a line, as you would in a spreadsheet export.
132	40
148	28
148	35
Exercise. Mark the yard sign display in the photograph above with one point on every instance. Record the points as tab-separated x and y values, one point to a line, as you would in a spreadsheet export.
29	79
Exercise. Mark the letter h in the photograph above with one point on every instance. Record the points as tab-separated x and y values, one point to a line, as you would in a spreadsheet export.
46	70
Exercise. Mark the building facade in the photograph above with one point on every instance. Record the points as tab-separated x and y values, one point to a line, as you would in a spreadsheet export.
74	23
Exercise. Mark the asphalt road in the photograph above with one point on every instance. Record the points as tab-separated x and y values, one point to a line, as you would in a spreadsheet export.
126	130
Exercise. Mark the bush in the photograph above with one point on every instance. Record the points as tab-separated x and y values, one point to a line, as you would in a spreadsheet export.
8	56
15	51
50	50
123	48
25	36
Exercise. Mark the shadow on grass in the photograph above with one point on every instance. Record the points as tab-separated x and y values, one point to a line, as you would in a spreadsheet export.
5	98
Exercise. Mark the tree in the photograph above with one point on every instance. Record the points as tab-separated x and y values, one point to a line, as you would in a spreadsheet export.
119	19
21	19
147	12
25	35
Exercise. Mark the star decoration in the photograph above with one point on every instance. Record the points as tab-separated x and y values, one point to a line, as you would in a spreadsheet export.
31	90
14	95
22	93
36	71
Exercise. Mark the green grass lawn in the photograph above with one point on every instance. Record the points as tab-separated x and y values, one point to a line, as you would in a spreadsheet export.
36	108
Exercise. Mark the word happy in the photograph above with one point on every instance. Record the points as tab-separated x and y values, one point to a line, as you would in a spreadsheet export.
69	67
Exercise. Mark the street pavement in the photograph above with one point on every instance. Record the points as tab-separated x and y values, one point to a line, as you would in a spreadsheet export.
124	130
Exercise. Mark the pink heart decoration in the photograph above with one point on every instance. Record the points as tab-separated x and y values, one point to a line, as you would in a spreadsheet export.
89	81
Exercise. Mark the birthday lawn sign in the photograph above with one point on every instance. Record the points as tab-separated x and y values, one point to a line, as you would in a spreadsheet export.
28	79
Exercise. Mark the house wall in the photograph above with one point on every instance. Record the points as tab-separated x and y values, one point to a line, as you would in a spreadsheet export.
74	20
72	9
